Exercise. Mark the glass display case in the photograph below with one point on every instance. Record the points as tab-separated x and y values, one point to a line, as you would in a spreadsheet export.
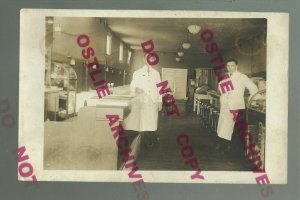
63	76
256	116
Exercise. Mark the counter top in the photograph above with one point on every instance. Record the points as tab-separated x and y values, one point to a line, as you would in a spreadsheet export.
111	104
111	100
256	110
213	93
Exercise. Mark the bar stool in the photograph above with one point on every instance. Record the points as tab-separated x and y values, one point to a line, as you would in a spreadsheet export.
202	111
197	101
211	118
207	114
216	114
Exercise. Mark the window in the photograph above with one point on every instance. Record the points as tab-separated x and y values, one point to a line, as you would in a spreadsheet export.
129	57
121	52
108	43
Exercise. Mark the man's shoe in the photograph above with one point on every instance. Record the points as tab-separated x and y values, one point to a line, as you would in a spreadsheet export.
226	150
218	147
150	146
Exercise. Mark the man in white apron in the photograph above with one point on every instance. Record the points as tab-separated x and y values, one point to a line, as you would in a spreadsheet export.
232	100
148	102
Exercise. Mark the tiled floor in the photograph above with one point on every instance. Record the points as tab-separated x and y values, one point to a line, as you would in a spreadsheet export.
167	154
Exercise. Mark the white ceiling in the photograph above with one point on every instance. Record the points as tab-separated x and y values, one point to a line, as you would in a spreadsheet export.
168	34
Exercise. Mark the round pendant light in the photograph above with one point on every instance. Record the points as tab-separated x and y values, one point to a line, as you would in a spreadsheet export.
186	45
180	53
194	29
72	61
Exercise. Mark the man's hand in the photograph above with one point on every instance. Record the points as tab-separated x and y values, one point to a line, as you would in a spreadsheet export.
139	91
257	97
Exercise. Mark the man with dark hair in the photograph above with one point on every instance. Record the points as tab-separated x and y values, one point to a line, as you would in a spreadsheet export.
232	60
232	100
143	117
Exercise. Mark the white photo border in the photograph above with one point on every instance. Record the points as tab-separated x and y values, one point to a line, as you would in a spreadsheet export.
31	98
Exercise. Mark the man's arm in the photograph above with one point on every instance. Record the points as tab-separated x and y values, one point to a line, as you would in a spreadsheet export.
159	100
158	80
250	86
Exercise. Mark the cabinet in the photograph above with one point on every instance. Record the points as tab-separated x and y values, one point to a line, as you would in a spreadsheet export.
62	103
51	102
256	114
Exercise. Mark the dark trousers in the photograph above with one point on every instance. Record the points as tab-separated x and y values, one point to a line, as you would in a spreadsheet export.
149	138
236	144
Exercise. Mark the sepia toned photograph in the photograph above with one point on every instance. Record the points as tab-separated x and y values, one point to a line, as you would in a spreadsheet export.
170	96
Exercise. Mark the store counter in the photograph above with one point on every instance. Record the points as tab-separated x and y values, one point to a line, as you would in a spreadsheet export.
86	142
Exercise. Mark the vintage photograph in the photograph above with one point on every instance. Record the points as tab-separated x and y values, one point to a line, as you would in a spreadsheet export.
184	92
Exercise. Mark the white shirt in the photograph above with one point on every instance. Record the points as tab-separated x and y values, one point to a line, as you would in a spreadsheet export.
146	79
235	98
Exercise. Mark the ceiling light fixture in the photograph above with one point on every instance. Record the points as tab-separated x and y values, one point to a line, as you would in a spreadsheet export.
194	29
72	62
180	53
186	45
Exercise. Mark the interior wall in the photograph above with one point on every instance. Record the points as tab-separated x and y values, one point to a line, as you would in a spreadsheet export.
167	60
251	56
64	46
113	59
65	41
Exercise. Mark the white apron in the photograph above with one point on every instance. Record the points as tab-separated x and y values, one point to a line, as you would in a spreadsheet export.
233	100
225	123
144	110
143	116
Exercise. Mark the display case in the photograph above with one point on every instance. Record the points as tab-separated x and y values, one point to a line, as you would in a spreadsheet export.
256	116
63	76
